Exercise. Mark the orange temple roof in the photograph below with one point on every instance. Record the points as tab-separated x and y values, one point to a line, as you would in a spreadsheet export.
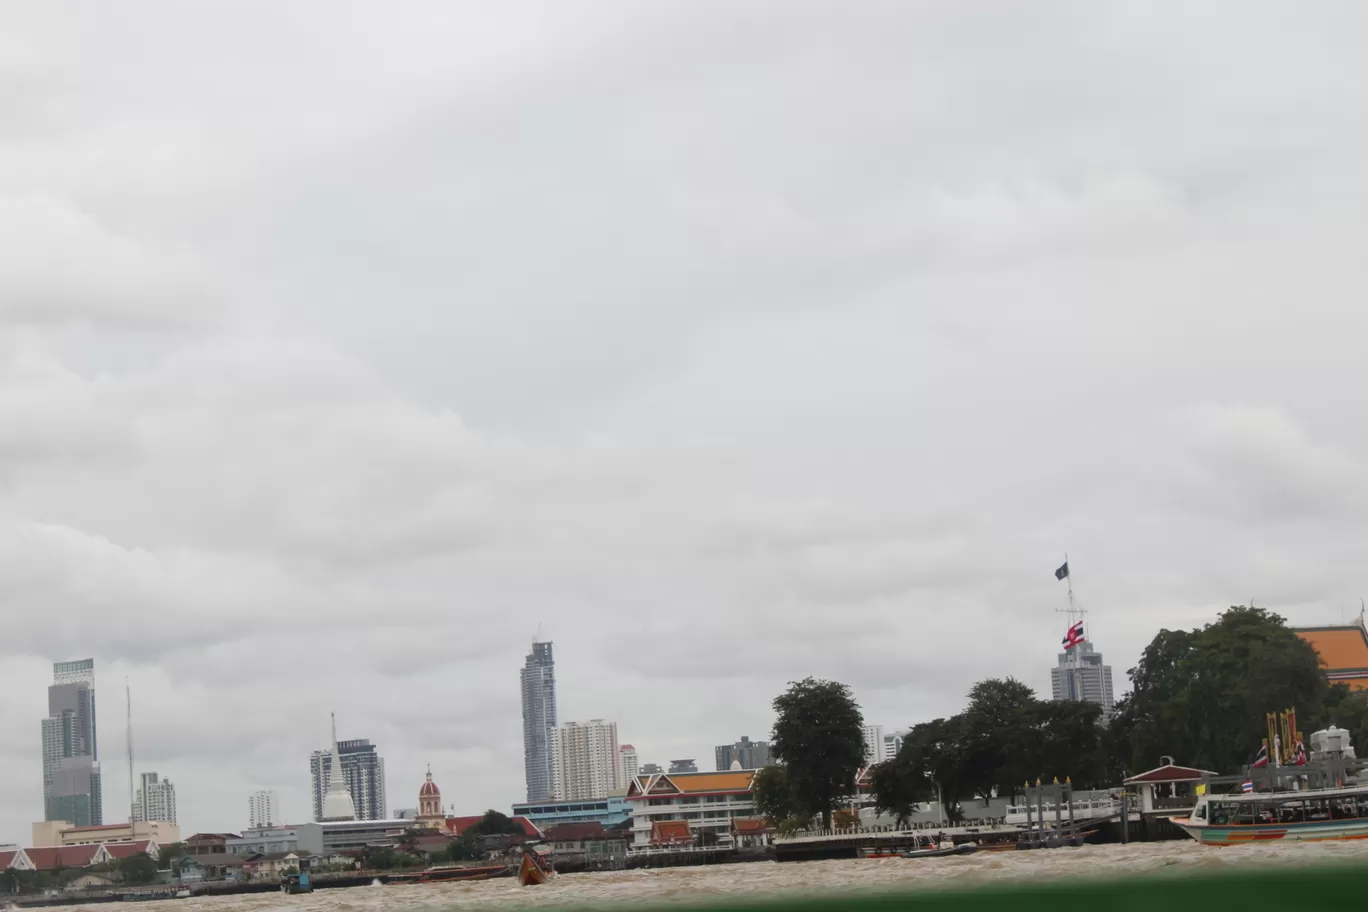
1343	652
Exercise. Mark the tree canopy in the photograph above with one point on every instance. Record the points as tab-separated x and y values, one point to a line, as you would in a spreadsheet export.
818	734
1201	696
138	869
1005	736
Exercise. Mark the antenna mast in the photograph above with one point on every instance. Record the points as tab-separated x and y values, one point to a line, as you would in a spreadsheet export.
132	798
1075	613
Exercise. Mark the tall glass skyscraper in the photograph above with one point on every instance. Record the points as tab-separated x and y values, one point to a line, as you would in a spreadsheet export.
71	754
539	720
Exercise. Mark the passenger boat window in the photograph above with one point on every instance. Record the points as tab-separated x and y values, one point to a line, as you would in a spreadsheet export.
1201	813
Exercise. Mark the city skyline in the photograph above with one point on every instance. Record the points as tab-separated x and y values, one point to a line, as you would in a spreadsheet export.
740	380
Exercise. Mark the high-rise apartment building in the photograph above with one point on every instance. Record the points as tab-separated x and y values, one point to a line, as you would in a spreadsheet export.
629	761
156	799
539	720
364	771
683	766
893	744
1081	675
650	769
874	744
263	809
752	755
587	763
71	755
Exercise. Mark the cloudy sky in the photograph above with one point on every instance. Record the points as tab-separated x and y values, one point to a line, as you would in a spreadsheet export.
343	346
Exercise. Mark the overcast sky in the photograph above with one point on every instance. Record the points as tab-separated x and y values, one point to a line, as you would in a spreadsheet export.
343	346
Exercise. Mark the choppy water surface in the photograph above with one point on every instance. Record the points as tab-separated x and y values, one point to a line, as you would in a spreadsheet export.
767	880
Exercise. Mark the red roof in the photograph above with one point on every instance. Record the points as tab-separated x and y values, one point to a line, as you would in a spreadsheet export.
576	832
50	858
667	831
429	790
750	825
626	747
127	849
459	825
1169	773
7	859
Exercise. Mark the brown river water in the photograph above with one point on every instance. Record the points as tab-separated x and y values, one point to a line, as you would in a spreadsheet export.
767	880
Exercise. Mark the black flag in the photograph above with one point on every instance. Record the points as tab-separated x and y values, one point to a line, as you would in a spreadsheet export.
1063	571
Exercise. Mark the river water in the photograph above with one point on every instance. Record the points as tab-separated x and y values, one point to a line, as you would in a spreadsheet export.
766	880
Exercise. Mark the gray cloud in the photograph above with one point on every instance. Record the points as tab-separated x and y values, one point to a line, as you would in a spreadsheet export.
340	351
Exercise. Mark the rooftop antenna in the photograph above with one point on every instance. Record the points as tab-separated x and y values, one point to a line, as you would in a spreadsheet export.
537	637
132	799
1075	614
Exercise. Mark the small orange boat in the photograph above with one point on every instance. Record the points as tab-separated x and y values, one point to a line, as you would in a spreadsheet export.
531	872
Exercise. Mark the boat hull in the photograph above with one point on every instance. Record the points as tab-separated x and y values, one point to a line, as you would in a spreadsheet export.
530	874
1246	834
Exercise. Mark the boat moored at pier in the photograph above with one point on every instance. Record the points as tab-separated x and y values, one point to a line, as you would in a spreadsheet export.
1306	815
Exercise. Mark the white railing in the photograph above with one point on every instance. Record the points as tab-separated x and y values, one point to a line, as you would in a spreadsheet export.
1082	810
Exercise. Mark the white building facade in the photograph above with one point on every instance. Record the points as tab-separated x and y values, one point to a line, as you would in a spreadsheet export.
707	802
156	799
586	763
1082	675
263	810
875	750
630	763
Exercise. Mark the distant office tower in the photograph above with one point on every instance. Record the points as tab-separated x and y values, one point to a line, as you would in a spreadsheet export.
262	809
627	754
874	744
156	799
71	754
1081	675
587	764
752	755
539	720
683	766
893	744
364	772
650	769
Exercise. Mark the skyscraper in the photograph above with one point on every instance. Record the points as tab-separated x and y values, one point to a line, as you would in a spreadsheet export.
156	799
1081	675
627	756
752	755
683	766
587	764
539	719
874	744
363	771
71	755
262	809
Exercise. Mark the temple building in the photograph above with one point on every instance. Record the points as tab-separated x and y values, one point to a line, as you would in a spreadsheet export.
430	812
1343	650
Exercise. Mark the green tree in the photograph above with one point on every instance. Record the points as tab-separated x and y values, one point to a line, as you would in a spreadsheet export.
494	823
170	854
467	847
138	869
818	735
773	794
1200	696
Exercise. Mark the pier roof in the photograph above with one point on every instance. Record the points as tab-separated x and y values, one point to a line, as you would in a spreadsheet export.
1343	651
1169	772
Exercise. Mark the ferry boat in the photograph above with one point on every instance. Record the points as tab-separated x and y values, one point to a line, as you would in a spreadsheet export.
1306	815
535	868
445	873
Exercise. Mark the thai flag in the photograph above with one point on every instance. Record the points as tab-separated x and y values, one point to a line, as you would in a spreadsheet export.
1074	636
1246	786
1261	758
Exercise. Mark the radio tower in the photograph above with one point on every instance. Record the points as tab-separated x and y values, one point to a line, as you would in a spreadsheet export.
132	798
